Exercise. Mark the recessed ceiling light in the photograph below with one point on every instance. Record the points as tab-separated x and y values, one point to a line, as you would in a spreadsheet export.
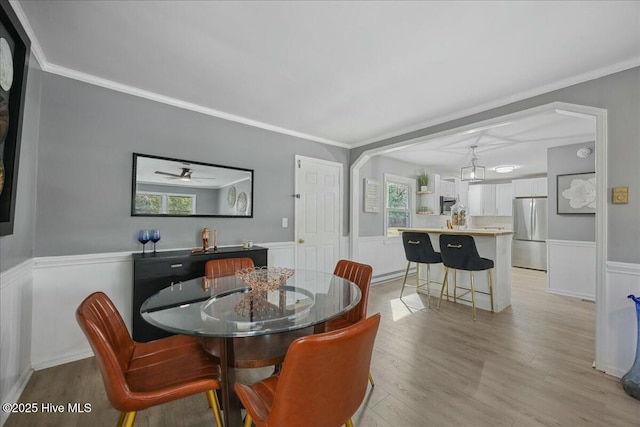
504	169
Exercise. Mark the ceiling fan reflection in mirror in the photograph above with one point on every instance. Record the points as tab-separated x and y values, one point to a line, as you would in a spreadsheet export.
184	175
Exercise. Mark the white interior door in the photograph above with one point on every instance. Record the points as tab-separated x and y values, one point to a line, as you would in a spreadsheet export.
318	213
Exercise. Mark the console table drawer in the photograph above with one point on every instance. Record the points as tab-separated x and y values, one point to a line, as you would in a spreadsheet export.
163	268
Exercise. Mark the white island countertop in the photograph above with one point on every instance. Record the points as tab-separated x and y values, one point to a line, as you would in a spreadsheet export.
470	232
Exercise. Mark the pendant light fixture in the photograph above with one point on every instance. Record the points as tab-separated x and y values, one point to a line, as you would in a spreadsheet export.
473	172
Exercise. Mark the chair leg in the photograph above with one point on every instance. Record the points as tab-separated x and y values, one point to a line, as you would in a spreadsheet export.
444	283
121	418
130	418
404	282
371	380
247	420
349	423
490	289
473	297
429	285
455	285
215	406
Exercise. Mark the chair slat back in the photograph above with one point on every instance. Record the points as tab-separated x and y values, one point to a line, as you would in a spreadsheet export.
324	377
360	274
110	340
226	266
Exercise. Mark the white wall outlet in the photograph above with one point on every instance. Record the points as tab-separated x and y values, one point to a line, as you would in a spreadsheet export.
285	222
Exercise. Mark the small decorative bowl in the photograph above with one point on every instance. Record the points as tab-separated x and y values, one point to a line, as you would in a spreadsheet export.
264	278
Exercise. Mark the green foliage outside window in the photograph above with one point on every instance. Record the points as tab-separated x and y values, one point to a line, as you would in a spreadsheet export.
179	205
148	203
398	213
158	204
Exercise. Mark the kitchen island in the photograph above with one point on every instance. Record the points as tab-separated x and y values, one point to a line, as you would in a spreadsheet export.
491	244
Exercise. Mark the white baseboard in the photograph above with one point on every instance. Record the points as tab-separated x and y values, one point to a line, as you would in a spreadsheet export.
16	392
62	359
15	336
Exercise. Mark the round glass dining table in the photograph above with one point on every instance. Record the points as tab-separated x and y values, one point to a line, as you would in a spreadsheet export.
246	328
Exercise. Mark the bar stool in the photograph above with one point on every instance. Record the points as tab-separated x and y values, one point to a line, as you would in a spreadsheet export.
459	252
418	249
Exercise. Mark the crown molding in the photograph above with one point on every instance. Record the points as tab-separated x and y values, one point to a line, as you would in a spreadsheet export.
48	67
51	68
130	90
561	84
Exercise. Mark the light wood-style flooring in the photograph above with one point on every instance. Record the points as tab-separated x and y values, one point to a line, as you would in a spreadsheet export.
529	365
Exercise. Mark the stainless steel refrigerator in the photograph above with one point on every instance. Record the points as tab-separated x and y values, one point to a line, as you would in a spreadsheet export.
529	248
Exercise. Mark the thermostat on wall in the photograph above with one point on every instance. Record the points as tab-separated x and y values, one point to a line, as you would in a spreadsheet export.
620	195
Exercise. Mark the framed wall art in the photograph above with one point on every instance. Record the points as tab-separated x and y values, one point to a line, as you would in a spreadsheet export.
14	57
577	193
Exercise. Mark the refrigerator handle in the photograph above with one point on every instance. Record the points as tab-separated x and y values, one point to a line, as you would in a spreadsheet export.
533	217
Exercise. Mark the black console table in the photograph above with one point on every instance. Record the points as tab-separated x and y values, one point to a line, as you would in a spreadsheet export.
155	271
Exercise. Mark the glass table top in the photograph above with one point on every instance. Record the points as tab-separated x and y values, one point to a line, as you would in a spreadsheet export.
227	307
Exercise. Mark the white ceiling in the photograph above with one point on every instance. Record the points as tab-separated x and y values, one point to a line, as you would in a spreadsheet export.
521	142
159	171
344	73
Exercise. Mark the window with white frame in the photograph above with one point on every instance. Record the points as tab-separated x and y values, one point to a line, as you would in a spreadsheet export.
398	201
165	203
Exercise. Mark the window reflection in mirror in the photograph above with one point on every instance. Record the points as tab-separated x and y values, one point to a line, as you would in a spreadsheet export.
172	187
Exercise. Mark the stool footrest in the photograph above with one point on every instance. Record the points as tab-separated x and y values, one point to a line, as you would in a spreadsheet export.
475	290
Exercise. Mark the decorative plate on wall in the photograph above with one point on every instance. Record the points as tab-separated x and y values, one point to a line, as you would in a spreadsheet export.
6	65
242	202
231	196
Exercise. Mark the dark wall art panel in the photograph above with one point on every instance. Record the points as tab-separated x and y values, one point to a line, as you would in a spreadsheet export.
14	54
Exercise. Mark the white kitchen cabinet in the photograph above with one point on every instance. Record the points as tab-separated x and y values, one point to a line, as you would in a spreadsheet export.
447	188
532	187
482	200
504	199
540	187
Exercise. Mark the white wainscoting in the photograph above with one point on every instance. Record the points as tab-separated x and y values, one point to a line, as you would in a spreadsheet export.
59	286
61	283
571	268
622	279
385	254
39	298
281	254
15	335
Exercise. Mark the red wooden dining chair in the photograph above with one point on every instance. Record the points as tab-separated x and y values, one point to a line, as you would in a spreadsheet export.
226	266
360	274
322	382
138	376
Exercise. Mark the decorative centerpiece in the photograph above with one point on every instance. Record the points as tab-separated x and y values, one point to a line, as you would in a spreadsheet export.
631	380
264	278
459	215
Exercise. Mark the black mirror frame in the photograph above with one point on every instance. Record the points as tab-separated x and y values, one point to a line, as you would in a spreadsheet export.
133	188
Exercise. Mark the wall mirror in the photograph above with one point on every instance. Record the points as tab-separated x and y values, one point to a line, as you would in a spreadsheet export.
172	187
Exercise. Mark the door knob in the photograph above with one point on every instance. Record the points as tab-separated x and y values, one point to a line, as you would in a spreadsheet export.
301	241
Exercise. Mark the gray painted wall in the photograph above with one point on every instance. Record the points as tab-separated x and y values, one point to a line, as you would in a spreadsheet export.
87	137
18	247
561	161
619	93
372	224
